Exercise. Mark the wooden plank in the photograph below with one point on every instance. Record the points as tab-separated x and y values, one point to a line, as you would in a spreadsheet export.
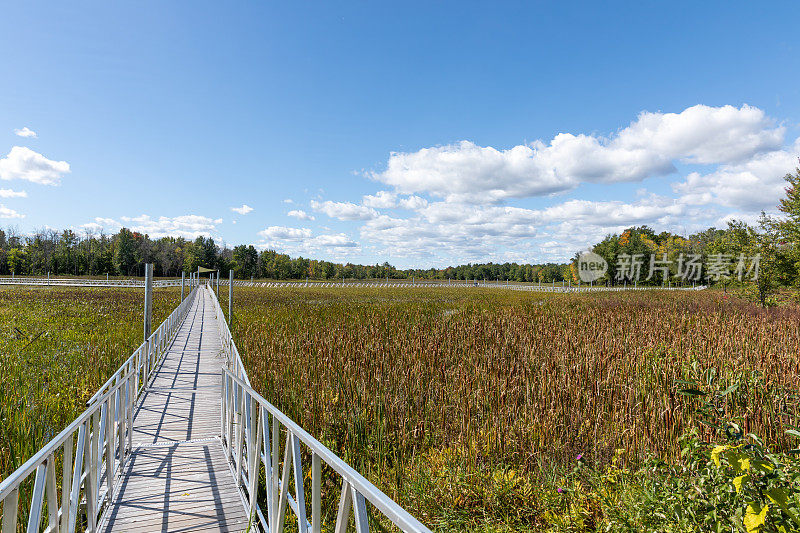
177	477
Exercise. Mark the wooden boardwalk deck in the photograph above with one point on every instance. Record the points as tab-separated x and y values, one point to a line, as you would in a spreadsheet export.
177	477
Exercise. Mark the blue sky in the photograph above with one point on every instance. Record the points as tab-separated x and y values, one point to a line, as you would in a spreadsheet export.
422	133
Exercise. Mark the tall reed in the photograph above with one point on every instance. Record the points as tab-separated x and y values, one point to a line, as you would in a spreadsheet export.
401	383
57	346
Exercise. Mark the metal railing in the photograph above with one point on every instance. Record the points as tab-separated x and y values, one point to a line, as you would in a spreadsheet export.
78	282
104	439
89	465
446	284
232	356
246	419
149	354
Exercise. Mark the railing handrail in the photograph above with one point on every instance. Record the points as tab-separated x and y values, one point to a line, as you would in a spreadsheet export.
173	321
390	509
83	282
226	339
30	465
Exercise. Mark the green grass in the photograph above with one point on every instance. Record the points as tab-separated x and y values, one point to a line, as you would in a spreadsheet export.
57	346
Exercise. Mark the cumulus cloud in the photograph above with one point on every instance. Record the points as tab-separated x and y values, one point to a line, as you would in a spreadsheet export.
302	241
755	184
5	212
299	214
344	210
102	224
413	202
648	147
186	226
390	200
10	193
25	132
380	200
445	232
93	227
22	163
242	210
338	240
283	233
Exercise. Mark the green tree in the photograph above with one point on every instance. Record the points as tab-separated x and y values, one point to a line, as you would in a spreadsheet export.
125	252
16	260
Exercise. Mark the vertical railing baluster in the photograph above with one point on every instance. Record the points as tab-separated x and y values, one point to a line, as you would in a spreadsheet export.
360	511
145	359
131	392
77	474
90	465
316	494
10	507
110	444
284	486
231	415
343	515
123	423
253	469
239	437
66	481
267	463
252	418
51	494
300	494
276	450
35	511
223	405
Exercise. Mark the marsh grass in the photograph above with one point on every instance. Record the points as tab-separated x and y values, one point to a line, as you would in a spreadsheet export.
467	406
57	346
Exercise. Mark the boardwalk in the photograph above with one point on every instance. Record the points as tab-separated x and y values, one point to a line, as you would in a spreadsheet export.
177	477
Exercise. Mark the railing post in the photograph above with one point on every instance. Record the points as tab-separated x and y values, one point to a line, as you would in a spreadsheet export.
230	297
183	283
148	299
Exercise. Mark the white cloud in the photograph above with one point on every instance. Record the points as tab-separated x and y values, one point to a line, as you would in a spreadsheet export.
187	226
302	241
287	201
10	193
380	200
107	222
5	212
466	172
242	210
283	233
413	202
390	200
344	210
613	213
93	227
25	132
450	233
754	184
22	163
300	214
338	240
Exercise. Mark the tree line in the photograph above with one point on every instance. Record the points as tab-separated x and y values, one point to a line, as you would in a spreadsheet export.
774	241
763	257
126	252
